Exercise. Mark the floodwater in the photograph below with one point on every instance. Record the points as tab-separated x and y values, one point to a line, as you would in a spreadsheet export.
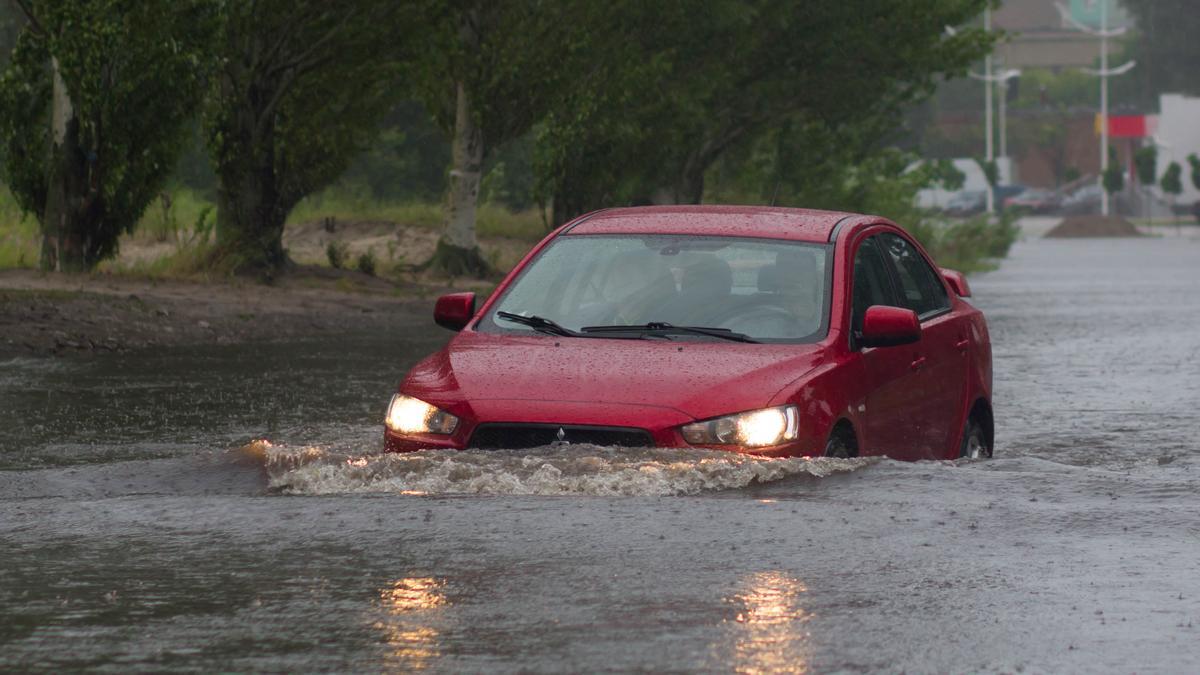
142	529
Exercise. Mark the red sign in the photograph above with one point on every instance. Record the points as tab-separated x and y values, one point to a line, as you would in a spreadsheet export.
1129	126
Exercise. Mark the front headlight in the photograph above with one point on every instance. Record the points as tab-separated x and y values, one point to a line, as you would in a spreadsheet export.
408	415
754	429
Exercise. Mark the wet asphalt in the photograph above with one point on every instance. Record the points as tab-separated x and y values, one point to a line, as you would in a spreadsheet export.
135	536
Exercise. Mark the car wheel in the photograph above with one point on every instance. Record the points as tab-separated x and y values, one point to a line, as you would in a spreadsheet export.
974	442
837	447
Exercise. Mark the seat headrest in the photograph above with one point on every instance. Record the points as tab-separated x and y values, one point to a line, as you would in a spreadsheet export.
708	275
792	270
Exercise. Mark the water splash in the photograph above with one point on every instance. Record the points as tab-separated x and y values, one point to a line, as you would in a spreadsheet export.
575	470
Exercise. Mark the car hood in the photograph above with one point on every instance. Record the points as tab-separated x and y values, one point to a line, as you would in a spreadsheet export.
698	379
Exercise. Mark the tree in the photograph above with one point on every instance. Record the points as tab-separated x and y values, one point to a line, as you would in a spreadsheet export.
93	111
1194	161
301	89
1145	163
1172	183
488	73
1114	176
12	20
703	78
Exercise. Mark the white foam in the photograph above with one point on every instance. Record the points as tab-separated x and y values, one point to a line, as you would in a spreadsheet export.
577	470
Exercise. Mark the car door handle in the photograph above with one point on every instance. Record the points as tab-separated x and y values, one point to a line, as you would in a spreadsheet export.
963	344
917	364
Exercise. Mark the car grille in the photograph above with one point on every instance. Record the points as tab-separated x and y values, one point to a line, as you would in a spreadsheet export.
491	436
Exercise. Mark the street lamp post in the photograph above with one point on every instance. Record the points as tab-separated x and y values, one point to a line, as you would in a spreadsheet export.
1104	73
987	103
989	80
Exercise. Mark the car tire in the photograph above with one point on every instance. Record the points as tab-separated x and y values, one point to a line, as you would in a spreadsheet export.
838	448
974	443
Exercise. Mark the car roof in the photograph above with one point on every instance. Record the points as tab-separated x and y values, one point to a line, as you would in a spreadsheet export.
727	221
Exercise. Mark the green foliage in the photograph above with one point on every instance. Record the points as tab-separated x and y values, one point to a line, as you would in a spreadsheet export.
1172	182
970	245
516	58
991	170
366	263
663	103
1114	176
336	252
358	206
1145	161
11	23
1194	162
134	72
405	163
943	173
19	238
1043	89
303	88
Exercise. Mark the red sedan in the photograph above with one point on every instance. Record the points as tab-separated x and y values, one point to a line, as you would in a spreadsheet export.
771	331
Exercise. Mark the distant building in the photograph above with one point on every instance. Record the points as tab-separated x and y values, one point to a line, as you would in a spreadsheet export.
1040	38
1177	136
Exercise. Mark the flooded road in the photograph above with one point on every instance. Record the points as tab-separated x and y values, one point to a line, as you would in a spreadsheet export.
133	536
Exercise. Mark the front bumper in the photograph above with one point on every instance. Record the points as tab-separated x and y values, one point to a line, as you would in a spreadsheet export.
660	424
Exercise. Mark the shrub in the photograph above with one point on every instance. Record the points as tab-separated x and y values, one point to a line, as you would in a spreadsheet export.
336	252
366	263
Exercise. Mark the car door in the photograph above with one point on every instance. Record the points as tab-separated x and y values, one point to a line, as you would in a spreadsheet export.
941	373
889	409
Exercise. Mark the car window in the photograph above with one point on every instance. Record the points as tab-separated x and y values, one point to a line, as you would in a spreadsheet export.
921	289
871	284
767	289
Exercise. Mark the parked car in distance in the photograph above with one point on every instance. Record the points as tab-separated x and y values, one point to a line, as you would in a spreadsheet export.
1034	200
967	203
1085	200
1006	192
777	332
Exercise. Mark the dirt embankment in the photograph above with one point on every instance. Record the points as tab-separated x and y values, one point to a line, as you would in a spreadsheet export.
53	314
1074	227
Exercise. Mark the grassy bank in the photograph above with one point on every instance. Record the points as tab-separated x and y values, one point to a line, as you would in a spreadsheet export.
174	236
19	242
491	220
973	245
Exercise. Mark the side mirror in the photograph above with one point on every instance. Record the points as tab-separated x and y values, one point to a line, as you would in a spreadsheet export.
889	327
958	282
454	311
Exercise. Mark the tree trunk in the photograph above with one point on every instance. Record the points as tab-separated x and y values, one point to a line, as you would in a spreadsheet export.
690	189
251	212
458	250
65	227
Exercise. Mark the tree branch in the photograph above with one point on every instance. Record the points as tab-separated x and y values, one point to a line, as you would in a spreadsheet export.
301	59
27	10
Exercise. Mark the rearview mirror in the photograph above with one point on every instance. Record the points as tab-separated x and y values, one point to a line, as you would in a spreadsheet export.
454	311
889	327
958	282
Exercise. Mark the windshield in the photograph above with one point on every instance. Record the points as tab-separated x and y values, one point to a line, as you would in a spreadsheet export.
767	289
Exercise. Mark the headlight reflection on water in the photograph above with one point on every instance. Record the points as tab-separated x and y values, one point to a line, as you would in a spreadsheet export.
412	605
769	633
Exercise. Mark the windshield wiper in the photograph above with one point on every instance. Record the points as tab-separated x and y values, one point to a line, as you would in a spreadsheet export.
663	328
538	323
